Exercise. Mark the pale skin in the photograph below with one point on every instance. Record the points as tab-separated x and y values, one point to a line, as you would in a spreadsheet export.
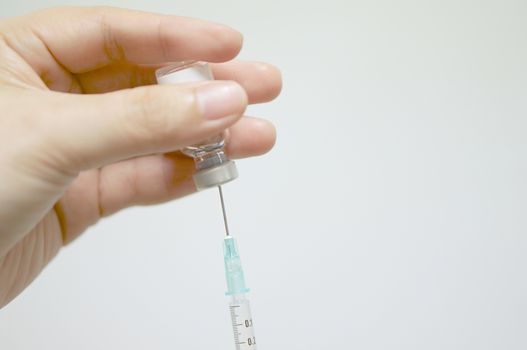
84	132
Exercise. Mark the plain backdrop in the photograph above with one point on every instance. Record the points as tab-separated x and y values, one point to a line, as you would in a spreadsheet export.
392	213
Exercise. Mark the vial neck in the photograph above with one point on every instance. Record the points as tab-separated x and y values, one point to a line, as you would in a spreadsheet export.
209	160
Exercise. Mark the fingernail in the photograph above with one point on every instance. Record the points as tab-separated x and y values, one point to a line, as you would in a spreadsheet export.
219	99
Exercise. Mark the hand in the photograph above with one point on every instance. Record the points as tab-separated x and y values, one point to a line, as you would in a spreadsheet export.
85	133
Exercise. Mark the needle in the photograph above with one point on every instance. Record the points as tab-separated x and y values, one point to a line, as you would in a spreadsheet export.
223	210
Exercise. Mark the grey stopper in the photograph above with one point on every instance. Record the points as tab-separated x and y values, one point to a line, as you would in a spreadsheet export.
216	176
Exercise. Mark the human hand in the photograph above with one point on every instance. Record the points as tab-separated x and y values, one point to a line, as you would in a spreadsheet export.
82	135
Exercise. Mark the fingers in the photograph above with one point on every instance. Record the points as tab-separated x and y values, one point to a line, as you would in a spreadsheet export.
155	179
149	179
93	130
103	35
101	192
250	137
261	81
145	180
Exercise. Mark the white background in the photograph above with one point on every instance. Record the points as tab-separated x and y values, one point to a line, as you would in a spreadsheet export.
392	213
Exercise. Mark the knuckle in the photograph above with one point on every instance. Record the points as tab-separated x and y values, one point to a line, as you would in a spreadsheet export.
163	36
110	44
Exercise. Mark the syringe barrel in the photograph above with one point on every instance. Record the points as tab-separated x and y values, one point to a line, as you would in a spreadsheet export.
242	322
240	310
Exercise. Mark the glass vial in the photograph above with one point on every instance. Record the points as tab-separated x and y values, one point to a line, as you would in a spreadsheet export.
213	167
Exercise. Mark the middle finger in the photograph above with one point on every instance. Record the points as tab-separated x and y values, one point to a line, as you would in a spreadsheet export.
262	81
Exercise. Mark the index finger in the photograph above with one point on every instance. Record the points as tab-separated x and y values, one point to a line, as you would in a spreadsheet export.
83	39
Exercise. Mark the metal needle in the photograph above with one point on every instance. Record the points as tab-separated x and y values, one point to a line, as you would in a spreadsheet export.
223	210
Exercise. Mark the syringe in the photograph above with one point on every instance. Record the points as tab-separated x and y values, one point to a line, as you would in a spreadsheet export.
240	310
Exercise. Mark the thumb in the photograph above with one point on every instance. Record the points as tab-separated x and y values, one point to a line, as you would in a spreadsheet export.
92	130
